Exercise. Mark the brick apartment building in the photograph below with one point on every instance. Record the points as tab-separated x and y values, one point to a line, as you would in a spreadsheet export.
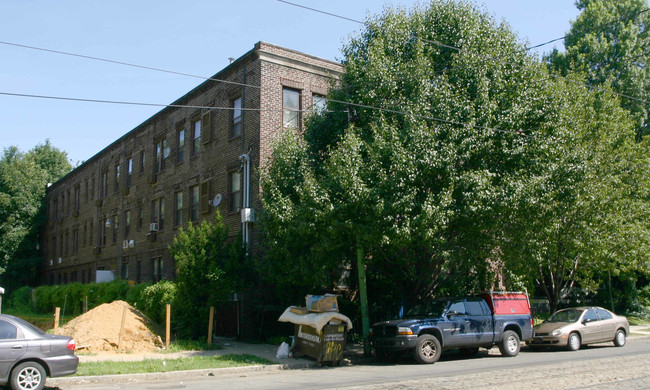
119	210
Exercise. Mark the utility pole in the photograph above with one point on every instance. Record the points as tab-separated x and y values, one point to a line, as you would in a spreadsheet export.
363	296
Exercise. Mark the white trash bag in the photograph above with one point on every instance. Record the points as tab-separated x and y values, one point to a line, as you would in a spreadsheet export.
283	351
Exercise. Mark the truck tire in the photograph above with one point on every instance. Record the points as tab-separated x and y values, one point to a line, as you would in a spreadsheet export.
427	349
510	344
574	342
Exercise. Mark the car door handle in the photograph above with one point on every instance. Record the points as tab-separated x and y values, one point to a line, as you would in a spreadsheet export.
16	347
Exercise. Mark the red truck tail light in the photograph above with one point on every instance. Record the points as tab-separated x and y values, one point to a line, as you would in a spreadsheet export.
72	345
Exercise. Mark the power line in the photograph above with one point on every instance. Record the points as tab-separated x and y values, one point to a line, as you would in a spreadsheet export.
460	50
65	53
258	109
598	27
122	102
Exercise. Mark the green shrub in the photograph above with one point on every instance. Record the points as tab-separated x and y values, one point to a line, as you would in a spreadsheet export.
134	295
154	299
21	299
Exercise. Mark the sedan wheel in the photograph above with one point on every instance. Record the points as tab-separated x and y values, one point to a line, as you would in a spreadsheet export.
619	339
28	376
574	342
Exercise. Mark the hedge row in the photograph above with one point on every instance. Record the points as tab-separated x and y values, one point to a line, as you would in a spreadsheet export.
148	298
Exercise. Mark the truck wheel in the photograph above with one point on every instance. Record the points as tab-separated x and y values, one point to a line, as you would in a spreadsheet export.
28	376
509	345
619	339
427	349
574	342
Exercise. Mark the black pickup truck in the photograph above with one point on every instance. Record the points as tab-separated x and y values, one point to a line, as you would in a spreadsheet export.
467	323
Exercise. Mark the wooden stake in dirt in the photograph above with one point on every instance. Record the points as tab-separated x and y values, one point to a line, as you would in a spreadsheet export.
57	312
119	340
168	321
210	322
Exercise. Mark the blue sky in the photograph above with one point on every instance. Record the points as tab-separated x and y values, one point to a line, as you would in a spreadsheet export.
194	37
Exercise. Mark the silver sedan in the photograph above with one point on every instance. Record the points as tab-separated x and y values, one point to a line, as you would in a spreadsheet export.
28	355
575	327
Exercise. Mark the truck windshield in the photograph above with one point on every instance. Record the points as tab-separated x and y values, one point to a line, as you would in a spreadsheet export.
427	309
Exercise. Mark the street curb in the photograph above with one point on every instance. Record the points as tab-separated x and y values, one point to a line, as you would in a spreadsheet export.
127	378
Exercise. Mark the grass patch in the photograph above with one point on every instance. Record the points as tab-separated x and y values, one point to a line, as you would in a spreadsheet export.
165	365
191	345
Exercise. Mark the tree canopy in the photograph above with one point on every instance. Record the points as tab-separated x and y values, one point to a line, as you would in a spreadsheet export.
610	42
455	159
23	181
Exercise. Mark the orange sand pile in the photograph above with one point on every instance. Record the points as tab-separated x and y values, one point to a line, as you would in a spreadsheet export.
99	330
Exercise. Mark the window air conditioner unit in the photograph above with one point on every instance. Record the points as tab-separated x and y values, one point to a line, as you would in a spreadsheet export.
153	227
125	244
59	260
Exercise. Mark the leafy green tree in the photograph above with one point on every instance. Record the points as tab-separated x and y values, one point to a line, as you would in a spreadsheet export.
448	156
208	268
584	203
610	42
23	182
420	182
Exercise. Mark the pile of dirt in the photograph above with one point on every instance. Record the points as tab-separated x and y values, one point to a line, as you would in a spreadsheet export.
99	330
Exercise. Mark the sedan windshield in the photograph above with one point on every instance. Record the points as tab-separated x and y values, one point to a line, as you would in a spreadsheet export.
569	315
427	309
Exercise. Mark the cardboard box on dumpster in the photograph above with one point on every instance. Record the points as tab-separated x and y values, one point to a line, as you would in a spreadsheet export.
299	310
322	303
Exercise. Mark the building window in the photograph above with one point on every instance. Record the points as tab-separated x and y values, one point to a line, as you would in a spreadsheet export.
142	161
235	130
86	190
157	268
181	146
67	205
194	205
85	235
127	223
162	154
178	208
140	217
77	200
319	104
102	229
158	212
104	185
196	136
54	246
116	227
291	108
75	241
116	185
129	171
92	187
124	269
235	191
66	242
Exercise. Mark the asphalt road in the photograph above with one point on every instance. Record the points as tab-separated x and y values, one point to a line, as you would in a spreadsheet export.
595	367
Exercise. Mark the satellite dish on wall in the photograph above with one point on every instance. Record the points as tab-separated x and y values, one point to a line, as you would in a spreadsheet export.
217	200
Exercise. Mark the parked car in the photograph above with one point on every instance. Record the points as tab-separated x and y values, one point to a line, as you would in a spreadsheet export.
465	323
28	355
578	326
